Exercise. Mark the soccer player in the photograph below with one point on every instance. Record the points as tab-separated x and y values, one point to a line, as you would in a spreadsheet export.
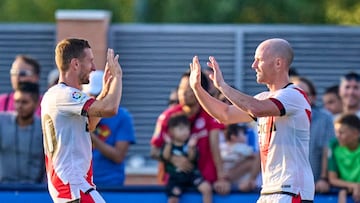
68	115
283	114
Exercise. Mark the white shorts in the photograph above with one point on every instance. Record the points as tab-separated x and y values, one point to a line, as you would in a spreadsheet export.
91	197
279	198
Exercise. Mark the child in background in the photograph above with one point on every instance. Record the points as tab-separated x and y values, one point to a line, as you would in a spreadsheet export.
238	157
180	144
344	157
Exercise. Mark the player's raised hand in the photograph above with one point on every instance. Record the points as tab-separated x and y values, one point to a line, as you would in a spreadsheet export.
112	63
216	77
105	83
195	73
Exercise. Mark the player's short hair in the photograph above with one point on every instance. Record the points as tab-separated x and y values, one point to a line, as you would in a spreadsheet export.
68	49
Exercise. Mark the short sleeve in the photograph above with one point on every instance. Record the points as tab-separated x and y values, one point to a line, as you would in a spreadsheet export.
73	101
157	139
293	99
332	166
125	131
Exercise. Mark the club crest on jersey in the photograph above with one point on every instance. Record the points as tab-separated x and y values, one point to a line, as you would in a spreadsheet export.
76	95
199	123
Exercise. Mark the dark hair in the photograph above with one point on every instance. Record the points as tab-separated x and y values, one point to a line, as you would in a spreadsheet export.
204	79
68	49
178	119
29	87
293	72
31	61
312	89
173	101
350	120
351	76
233	129
332	90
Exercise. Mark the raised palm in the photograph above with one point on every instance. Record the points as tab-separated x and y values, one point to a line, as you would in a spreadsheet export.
195	72
216	77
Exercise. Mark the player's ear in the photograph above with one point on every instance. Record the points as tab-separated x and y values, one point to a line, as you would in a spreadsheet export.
74	63
279	63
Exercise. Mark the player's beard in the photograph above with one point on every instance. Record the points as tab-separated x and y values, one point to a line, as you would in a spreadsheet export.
84	78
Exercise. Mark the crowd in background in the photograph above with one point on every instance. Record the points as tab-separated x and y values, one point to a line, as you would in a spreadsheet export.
225	157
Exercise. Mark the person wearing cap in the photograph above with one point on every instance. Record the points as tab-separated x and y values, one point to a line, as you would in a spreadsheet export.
23	69
111	140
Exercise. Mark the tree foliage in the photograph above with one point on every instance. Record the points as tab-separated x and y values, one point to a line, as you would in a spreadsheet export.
193	11
44	10
236	11
346	12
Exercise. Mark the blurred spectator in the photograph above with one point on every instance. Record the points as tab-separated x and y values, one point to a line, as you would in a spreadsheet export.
204	128
349	92
332	101
344	157
21	146
321	131
251	165
53	77
180	144
111	140
293	72
239	158
250	127
23	69
173	98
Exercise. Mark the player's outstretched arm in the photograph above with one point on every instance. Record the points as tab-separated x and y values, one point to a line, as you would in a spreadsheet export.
222	112
108	104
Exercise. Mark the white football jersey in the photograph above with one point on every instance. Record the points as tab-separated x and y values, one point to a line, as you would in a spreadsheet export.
284	144
67	142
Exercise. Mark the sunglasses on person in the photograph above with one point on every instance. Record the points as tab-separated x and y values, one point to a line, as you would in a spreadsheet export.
21	73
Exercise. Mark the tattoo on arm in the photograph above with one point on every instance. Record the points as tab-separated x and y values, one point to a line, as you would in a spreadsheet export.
98	113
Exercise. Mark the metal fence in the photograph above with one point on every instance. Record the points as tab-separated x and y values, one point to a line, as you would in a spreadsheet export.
153	58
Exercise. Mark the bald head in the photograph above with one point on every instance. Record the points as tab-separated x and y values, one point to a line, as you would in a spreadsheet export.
277	47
